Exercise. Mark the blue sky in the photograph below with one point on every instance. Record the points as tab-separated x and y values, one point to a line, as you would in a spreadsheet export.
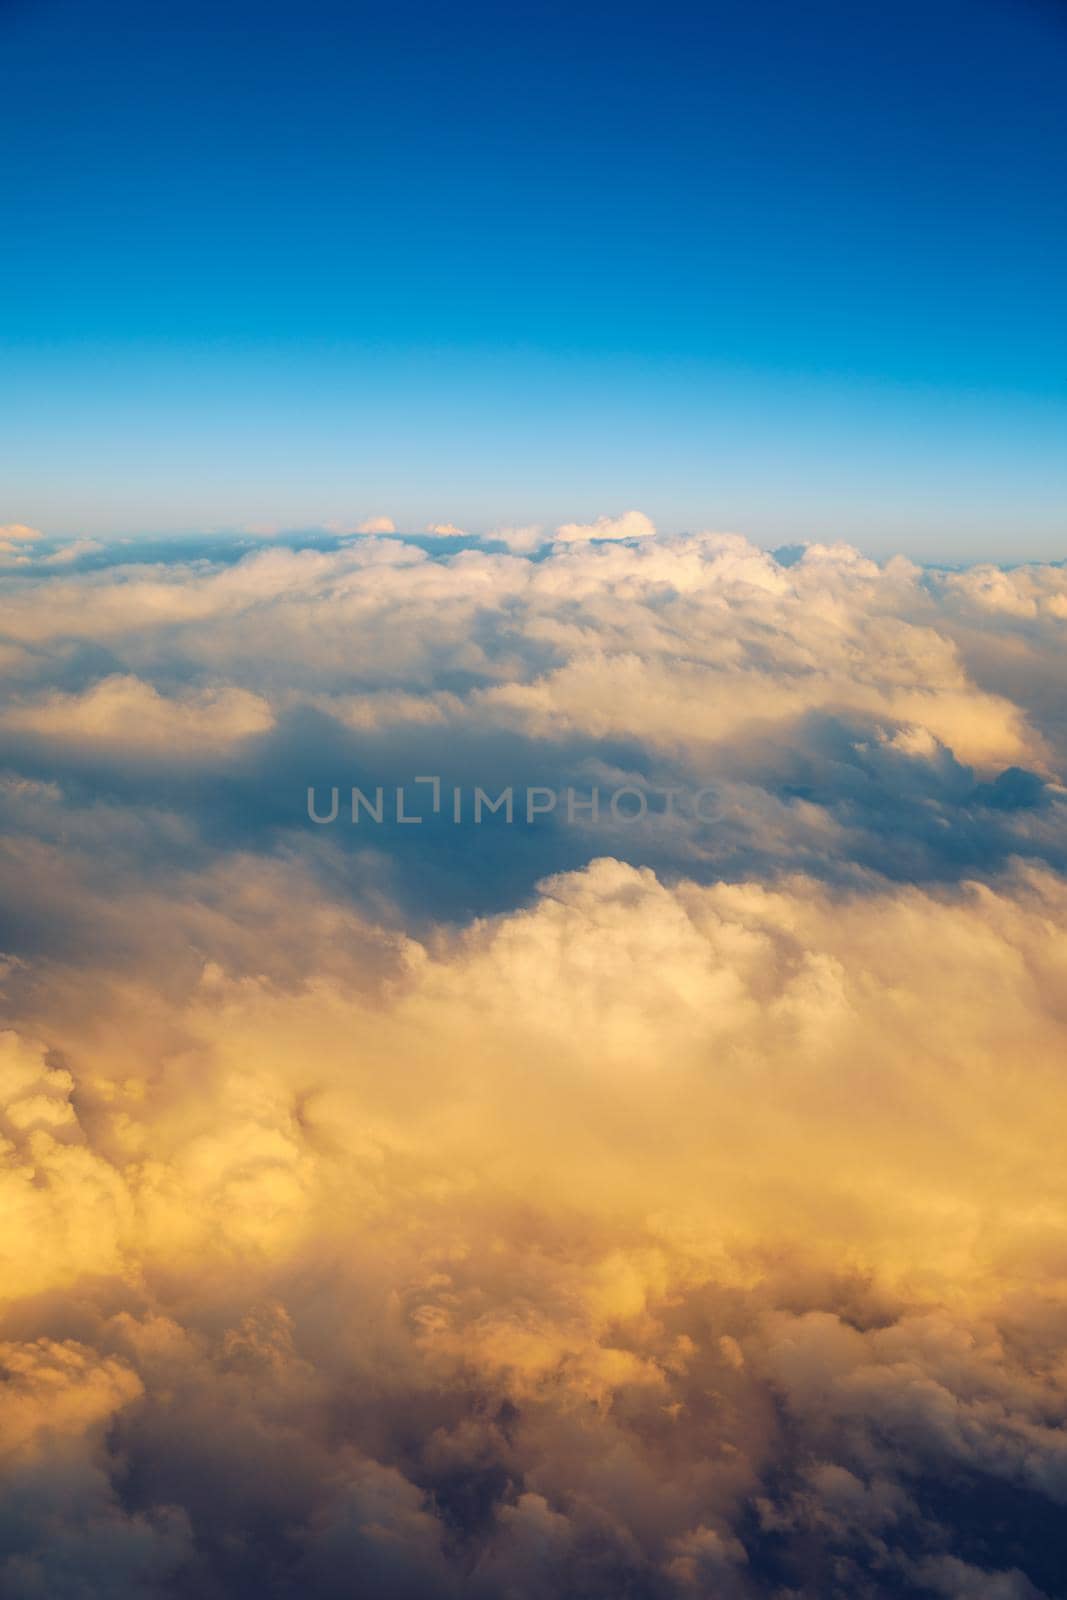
798	271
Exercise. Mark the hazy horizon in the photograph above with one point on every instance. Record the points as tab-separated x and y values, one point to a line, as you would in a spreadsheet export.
799	281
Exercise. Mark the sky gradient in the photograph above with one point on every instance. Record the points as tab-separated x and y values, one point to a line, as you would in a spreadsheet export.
530	263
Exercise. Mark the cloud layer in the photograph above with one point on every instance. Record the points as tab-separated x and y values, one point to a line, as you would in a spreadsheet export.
655	1209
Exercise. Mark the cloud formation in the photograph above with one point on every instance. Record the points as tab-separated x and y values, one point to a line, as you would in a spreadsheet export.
662	1210
14	537
124	713
631	525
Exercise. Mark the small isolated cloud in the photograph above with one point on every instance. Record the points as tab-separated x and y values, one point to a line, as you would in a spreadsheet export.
446	530
377	525
631	525
520	541
73	552
13	536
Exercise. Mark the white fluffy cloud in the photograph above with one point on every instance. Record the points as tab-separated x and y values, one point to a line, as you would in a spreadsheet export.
14	537
126	715
520	540
630	525
685	642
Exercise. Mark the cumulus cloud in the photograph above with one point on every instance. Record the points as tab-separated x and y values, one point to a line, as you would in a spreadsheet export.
126	714
636	1237
14	537
631	525
446	530
521	540
377	525
521	1212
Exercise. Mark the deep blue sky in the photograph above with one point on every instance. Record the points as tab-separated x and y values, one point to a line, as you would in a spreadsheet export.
799	270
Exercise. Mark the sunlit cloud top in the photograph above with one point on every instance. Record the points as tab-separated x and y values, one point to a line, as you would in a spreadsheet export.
659	1199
